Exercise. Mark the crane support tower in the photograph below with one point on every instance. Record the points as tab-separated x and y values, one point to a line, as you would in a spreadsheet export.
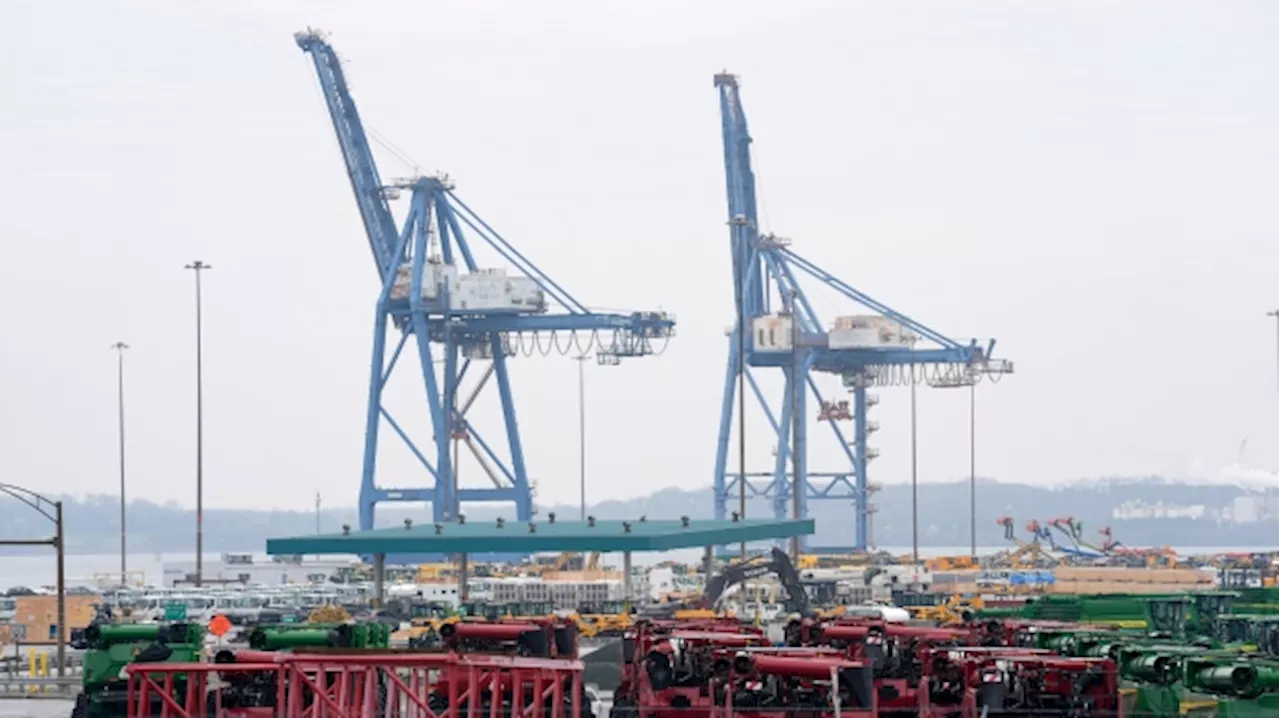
437	302
878	348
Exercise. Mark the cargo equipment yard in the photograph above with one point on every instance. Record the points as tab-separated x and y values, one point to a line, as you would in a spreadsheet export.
540	616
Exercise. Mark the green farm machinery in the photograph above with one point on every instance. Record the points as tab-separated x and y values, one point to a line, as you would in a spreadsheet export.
111	647
1209	654
372	634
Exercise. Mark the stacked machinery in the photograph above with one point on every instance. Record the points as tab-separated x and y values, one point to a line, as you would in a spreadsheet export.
862	666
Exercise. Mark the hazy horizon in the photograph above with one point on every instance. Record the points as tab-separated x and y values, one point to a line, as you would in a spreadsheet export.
1092	184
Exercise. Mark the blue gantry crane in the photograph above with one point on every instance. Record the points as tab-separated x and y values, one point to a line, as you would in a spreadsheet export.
881	348
455	314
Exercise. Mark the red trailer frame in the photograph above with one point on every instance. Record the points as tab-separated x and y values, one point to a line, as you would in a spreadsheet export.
367	686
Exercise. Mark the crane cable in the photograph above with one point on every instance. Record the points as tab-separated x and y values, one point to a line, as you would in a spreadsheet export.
546	343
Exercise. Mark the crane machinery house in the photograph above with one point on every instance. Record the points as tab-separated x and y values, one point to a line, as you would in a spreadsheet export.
491	290
437	277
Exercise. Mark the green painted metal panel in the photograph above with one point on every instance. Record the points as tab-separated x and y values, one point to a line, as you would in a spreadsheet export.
515	537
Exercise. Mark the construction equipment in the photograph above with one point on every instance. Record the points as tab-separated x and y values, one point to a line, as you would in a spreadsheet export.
370	634
546	638
570	561
112	648
952	563
611	618
777	562
772	682
1011	682
425	620
953	610
1025	554
666	665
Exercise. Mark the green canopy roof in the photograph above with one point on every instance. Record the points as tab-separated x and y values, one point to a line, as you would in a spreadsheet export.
547	536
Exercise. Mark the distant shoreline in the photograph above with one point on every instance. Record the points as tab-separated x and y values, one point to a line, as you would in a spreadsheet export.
1141	511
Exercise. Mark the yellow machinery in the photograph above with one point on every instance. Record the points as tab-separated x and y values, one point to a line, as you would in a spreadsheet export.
952	563
613	618
328	614
568	561
425	623
432	572
951	612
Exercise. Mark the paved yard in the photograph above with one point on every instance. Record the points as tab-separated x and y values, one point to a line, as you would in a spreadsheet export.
35	708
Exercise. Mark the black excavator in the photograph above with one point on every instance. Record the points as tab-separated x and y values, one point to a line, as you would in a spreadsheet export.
776	562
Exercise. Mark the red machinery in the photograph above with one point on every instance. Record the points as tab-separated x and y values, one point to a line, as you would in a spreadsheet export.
785	683
360	685
546	638
894	653
1016	683
668	666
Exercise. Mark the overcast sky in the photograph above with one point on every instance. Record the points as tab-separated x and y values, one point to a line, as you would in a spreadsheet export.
1093	184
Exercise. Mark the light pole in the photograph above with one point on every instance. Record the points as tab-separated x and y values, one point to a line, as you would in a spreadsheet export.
582	434
120	347
973	470
797	378
198	267
1275	314
915	501
741	262
51	510
953	381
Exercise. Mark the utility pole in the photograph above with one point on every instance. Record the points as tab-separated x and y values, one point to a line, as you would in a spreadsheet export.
63	633
742	392
1275	314
119	347
797	386
317	513
198	267
973	471
582	434
955	381
915	502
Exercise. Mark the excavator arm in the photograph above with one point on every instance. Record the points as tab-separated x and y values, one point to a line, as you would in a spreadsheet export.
776	563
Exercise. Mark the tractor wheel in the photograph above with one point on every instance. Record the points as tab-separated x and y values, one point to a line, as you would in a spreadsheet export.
81	709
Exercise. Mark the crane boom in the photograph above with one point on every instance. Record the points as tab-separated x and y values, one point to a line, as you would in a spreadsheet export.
740	190
379	225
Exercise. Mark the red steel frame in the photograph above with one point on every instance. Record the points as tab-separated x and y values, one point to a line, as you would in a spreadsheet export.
347	686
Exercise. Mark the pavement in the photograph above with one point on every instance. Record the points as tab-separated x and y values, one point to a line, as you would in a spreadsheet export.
35	708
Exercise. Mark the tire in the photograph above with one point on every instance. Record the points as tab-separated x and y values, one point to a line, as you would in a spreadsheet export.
81	709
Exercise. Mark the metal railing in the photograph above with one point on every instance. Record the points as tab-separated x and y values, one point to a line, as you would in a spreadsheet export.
16	686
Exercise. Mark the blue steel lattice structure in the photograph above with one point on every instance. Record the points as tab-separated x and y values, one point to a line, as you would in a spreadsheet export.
448	311
786	334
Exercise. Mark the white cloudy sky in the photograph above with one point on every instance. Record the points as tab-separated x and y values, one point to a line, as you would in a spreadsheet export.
1092	183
